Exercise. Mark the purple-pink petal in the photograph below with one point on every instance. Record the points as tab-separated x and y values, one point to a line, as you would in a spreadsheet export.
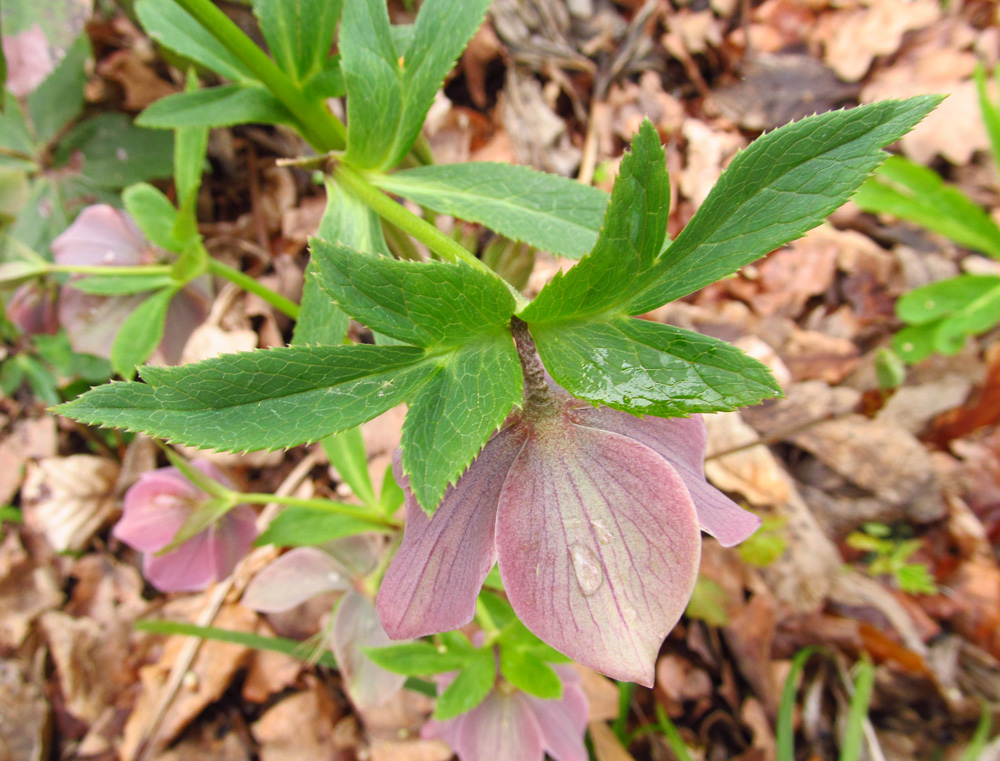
563	723
189	568
29	60
155	507
501	728
292	579
681	442
101	235
434	580
356	627
598	546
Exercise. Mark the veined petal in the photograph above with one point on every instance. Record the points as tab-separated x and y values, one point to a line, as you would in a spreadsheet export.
681	442
100	235
501	728
231	539
189	568
155	508
356	627
598	546
432	584
292	579
563	723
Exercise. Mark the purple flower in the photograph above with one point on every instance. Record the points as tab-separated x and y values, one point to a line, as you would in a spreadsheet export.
33	309
593	516
105	236
29	60
157	505
305	572
510	725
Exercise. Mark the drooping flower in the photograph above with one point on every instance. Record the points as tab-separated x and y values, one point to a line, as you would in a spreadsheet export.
510	725
340	566
156	507
593	516
105	236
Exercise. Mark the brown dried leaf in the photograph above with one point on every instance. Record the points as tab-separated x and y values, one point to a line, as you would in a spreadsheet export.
25	716
606	744
26	439
300	726
141	84
27	589
68	499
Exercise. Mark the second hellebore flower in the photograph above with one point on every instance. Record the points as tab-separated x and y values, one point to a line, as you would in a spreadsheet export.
593	516
157	505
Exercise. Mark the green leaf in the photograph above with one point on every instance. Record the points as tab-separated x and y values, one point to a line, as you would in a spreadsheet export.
12	274
426	304
452	417
15	136
783	185
417	658
173	27
59	99
649	368
154	214
43	216
260	400
328	82
470	687
635	227
945	297
918	194
551	212
391	90
190	147
915	343
857	714
348	220
298	32
390	496
115	153
141	333
346	452
309	526
203	515
989	109
530	673
221	106
118	285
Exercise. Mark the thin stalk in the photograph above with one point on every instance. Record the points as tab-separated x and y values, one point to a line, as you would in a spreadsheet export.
247	283
396	214
321	504
323	130
110	269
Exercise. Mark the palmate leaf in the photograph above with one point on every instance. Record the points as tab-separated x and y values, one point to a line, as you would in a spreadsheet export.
260	400
650	368
550	212
395	90
299	33
425	304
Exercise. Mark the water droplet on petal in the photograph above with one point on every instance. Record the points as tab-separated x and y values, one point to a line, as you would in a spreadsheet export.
601	532
587	568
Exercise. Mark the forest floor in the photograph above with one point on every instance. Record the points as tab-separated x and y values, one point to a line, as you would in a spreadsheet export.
845	474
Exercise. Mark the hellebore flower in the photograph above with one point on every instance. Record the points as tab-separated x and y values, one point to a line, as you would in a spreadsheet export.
593	516
157	505
29	60
105	236
305	572
510	725
33	309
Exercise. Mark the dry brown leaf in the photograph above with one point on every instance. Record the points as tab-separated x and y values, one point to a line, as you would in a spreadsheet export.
853	38
25	716
27	589
811	355
750	635
709	149
141	84
68	499
209	340
26	439
209	742
601	692
680	680
606	744
409	750
301	222
300	726
269	673
537	134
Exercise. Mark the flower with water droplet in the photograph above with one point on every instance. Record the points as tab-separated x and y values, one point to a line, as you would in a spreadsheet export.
155	508
340	566
107	237
511	725
593	516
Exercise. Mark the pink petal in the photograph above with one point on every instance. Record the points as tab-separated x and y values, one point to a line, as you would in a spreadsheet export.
598	545
155	508
189	568
681	442
33	309
187	310
501	728
432	584
292	579
563	723
29	60
357	626
233	535
92	322
356	555
101	235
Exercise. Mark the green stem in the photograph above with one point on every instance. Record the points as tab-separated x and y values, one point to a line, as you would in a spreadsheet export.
110	269
396	214
323	130
247	283
320	504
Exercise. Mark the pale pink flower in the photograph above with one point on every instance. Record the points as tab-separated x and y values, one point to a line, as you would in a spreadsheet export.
593	516
33	309
29	60
105	236
340	566
157	505
511	725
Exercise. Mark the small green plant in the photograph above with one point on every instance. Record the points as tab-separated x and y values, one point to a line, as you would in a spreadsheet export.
889	556
940	316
